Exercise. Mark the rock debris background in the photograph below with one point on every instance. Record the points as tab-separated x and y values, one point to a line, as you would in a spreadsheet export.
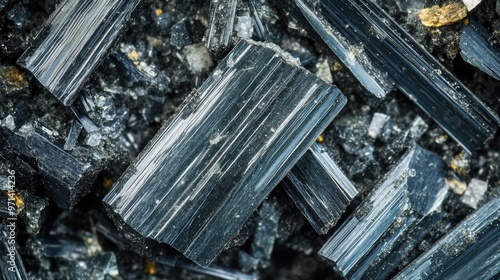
159	60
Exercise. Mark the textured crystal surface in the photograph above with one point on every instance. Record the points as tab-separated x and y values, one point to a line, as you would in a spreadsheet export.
478	51
319	188
391	220
219	33
73	134
73	42
373	36
67	177
242	131
370	77
470	251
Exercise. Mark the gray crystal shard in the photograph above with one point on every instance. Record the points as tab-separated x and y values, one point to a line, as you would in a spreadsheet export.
220	30
265	233
179	35
11	265
478	51
377	125
382	47
470	251
73	134
390	222
319	188
234	139
73	42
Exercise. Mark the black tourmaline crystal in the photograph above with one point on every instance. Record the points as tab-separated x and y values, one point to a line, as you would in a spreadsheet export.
319	188
75	39
469	251
378	51
66	176
478	51
219	33
235	138
391	221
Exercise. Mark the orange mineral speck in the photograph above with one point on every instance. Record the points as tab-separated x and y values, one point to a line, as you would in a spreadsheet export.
150	267
108	183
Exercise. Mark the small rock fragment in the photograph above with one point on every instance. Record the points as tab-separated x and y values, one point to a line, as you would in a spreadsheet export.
179	35
244	27
377	125
437	16
474	193
198	58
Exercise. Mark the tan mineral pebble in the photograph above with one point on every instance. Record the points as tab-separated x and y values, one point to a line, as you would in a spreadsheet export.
437	16
133	55
456	186
15	77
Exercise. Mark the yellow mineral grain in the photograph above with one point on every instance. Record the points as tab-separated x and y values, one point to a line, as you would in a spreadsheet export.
337	66
133	55
15	77
320	139
108	183
150	267
459	164
19	202
457	186
158	12
436	16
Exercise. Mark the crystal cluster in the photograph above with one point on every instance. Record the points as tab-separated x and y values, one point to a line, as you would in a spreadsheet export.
379	52
249	139
469	251
391	220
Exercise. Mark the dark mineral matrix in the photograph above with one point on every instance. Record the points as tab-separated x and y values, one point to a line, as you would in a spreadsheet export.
249	139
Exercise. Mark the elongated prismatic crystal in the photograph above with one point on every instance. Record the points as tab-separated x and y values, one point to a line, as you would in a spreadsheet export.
73	42
234	139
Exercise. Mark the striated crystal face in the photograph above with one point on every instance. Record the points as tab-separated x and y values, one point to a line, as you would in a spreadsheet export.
470	251
391	220
213	139
74	40
319	188
478	51
235	138
372	45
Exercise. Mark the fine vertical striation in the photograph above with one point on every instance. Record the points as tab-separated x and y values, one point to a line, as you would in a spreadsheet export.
234	139
391	221
319	188
360	32
470	251
478	51
72	44
220	30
